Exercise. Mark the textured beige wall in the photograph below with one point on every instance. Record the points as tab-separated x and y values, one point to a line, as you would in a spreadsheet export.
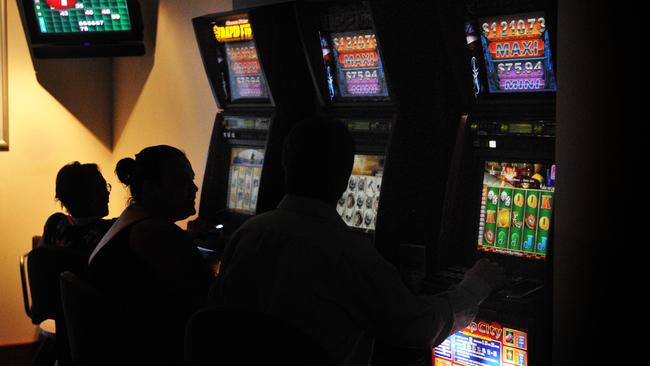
43	136
167	99
162	98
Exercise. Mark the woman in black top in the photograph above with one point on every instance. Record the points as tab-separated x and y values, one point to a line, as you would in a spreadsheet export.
146	265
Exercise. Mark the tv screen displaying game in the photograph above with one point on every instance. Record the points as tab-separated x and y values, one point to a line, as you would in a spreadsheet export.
517	53
483	343
516	208
244	178
82	16
241	73
358	204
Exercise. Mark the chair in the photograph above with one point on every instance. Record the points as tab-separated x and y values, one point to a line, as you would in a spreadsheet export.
39	270
222	336
94	325
46	352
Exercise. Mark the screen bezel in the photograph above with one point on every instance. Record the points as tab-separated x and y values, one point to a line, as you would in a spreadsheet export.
81	38
309	21
488	97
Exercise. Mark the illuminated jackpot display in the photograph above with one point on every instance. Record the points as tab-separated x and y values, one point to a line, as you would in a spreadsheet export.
353	65
82	16
516	208
245	76
483	344
517	53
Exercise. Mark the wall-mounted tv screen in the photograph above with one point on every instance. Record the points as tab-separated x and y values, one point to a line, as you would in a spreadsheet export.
351	53
77	16
517	53
358	204
80	28
483	343
244	178
241	74
516	208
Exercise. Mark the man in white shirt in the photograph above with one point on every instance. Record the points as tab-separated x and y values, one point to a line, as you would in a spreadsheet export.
302	264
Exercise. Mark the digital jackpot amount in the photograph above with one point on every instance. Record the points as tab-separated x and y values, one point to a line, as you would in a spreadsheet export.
517	53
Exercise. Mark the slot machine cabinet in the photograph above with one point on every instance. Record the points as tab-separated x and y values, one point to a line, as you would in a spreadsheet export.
261	84
394	87
500	196
411	131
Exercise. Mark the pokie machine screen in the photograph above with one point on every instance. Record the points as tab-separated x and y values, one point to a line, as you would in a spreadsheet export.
244	178
483	343
517	53
516	208
82	16
237	58
358	204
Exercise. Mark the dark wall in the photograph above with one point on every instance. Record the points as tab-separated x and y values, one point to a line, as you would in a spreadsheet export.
240	4
588	136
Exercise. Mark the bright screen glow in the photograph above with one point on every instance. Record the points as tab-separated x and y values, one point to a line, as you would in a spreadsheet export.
483	344
241	72
353	65
517	53
82	16
244	181
516	208
359	203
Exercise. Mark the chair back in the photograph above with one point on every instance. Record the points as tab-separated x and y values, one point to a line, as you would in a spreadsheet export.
223	336
93	325
44	265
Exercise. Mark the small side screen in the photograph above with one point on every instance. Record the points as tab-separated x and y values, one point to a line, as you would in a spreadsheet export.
483	343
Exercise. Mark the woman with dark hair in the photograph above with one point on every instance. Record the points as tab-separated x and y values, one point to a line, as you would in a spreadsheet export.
83	192
146	265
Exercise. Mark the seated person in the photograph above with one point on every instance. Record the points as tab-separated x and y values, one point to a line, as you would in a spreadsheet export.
301	263
84	193
147	266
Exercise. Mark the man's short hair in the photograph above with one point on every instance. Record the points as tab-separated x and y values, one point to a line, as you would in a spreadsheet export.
317	158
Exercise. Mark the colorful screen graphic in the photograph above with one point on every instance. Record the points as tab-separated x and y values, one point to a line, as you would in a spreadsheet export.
353	65
516	208
358	205
244	183
82	16
245	75
483	344
517	53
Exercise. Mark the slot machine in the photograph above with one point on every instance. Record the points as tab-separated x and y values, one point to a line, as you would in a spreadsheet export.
373	71
500	194
260	81
345	57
